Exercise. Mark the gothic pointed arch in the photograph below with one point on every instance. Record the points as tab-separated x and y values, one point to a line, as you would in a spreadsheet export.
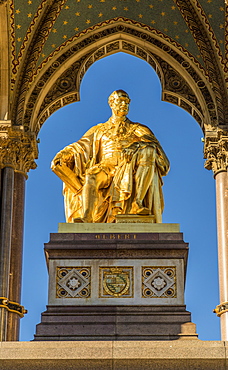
183	84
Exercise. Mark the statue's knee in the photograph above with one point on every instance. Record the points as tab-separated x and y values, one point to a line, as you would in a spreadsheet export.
91	179
97	177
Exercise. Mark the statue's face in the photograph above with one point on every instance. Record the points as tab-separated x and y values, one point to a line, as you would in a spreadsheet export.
120	104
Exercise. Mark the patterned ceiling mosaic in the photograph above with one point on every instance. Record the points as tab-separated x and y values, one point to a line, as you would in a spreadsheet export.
77	15
215	12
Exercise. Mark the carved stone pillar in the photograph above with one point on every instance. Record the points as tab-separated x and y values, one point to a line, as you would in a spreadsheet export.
216	154
17	153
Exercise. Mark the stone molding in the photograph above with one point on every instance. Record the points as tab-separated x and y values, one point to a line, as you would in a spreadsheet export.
17	149
216	150
141	355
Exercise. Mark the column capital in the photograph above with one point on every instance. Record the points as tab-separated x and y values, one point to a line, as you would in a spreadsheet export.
18	149
216	150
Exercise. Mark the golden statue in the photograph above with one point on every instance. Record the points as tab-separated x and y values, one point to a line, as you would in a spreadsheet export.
115	168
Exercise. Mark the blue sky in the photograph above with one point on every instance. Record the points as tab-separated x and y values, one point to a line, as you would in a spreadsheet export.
189	189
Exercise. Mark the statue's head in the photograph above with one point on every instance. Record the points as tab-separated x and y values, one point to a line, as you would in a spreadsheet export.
119	103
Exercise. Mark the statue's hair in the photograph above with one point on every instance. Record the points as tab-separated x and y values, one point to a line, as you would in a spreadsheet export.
115	93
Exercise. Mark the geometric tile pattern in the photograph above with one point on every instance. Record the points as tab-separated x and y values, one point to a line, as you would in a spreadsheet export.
116	282
73	282
158	282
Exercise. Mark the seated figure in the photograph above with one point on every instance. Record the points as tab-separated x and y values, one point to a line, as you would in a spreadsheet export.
115	168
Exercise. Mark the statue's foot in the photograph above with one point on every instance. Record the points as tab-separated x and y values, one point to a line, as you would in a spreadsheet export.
140	209
82	220
143	211
78	220
116	211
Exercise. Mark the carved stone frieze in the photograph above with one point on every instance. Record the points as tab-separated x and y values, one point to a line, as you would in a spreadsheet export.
17	149
216	150
65	84
177	90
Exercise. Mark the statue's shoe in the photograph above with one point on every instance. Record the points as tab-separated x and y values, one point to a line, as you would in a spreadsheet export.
143	211
78	220
139	209
82	220
116	211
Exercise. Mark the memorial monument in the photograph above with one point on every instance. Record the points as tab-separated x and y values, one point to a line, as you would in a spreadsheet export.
46	47
115	271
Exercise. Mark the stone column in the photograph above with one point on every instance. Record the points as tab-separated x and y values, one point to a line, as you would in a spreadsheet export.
222	229
15	276
5	242
17	153
216	154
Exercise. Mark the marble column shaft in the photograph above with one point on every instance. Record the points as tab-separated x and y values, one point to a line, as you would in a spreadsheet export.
222	229
5	241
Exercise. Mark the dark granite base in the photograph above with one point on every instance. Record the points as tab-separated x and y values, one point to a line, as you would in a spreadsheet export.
111	323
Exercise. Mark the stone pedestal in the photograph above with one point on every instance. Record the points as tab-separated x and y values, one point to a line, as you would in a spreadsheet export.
115	282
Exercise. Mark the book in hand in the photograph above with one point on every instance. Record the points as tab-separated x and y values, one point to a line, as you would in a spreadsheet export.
68	177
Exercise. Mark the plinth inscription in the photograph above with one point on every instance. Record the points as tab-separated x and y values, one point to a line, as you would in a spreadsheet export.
116	236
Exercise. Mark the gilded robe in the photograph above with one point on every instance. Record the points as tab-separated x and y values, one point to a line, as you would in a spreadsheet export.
101	148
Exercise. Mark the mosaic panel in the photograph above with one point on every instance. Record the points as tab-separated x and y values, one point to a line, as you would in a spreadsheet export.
159	282
215	12
116	282
73	282
77	15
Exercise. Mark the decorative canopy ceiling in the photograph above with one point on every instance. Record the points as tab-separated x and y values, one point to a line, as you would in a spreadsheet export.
78	15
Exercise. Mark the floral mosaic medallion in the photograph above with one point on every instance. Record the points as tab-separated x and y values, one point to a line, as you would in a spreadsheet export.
73	282
158	282
116	282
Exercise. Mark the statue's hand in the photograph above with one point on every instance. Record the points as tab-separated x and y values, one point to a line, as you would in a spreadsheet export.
56	161
128	153
62	157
